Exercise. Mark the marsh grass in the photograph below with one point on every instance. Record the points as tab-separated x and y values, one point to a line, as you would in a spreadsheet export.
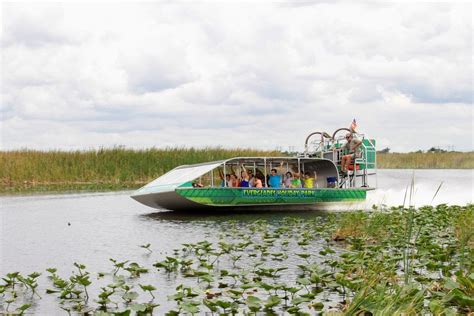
387	300
103	169
409	242
400	266
447	160
464	232
362	225
122	168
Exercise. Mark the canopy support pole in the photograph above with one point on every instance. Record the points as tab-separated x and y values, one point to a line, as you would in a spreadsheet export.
265	170
225	177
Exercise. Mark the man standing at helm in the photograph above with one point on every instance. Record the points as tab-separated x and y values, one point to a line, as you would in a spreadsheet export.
352	146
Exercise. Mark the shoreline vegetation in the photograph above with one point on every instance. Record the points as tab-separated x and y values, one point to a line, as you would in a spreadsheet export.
397	261
23	171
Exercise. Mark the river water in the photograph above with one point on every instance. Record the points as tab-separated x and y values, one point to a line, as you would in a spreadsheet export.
43	231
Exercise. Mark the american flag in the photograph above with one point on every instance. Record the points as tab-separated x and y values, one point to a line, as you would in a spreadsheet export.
353	125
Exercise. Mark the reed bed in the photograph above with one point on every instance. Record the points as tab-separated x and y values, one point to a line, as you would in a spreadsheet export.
121	168
443	160
103	169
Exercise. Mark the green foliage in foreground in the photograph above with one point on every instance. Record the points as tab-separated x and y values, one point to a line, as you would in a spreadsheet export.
386	262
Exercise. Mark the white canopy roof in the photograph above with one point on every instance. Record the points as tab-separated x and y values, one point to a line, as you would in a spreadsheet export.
183	174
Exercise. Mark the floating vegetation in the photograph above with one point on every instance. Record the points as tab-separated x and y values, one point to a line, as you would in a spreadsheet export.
385	262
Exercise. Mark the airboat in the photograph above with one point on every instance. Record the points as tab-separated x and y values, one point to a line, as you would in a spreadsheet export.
201	187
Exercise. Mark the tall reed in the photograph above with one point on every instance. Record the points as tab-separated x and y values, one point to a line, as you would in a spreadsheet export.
448	160
119	166
409	230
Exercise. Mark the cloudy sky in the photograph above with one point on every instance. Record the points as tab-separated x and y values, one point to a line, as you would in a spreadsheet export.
80	76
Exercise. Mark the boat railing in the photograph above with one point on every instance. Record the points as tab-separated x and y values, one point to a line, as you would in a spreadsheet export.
333	148
325	147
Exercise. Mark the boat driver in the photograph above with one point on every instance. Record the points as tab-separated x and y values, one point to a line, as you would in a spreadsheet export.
352	146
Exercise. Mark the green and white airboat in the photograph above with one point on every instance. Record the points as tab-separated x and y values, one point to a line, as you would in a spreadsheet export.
175	191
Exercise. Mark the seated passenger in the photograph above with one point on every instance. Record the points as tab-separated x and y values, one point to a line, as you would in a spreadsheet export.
274	179
296	181
287	180
233	182
197	185
258	182
244	179
225	180
308	180
260	175
251	178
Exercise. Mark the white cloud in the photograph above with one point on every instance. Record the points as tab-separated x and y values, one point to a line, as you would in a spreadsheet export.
235	74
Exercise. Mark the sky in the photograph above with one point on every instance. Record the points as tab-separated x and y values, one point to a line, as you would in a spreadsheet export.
235	74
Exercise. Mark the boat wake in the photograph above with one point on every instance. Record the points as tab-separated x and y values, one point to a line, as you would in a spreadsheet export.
425	193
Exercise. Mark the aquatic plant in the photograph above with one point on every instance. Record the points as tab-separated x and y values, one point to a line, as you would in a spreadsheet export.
351	263
147	247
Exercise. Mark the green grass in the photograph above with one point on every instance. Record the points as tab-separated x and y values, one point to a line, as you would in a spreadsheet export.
104	169
121	168
445	160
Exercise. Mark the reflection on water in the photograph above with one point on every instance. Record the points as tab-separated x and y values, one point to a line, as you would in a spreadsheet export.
227	215
38	232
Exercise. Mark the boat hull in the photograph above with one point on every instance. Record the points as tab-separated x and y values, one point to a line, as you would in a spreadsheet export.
249	199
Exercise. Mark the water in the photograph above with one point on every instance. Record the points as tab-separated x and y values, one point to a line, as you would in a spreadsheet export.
456	187
42	231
